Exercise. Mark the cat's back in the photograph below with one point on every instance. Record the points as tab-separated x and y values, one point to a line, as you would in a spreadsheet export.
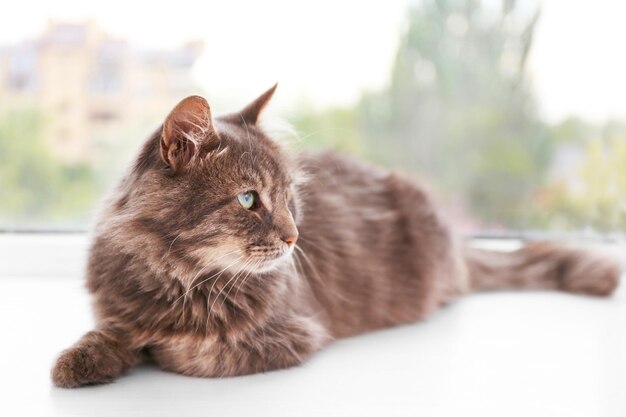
338	186
372	243
327	165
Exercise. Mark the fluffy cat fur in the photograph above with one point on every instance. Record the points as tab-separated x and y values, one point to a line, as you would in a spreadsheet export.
182	274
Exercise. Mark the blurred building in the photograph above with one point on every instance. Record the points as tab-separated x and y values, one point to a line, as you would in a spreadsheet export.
89	85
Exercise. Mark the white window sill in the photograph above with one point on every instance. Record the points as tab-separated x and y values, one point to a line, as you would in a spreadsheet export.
495	354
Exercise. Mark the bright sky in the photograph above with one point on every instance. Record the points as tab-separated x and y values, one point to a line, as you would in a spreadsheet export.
329	50
579	59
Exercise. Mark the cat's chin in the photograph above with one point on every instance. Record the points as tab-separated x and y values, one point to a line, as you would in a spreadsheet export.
268	265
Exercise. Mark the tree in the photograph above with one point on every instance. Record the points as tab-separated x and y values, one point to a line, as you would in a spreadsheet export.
596	197
459	109
36	189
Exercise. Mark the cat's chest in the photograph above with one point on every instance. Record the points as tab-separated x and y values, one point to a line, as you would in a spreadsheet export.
187	353
203	310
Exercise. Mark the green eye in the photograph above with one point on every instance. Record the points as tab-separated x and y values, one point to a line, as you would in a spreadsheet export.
246	199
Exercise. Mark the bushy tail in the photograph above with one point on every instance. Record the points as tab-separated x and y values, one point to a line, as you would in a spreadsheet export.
543	265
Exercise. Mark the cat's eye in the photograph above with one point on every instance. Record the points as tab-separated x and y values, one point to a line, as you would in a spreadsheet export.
248	200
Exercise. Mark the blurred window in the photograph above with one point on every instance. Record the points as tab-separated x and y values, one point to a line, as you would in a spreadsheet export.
460	106
22	70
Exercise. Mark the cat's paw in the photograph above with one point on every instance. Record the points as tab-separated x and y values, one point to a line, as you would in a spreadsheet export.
83	365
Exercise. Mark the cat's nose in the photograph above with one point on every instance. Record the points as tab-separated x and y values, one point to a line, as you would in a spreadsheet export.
290	240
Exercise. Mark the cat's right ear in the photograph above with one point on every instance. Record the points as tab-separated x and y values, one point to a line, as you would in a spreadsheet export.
186	131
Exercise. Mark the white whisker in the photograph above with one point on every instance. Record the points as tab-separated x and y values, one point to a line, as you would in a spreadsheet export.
226	285
239	278
205	280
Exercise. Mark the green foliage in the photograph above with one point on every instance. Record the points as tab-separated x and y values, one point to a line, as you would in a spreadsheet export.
462	113
597	199
603	174
459	110
36	189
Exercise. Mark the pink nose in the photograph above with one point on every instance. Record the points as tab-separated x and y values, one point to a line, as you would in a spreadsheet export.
290	240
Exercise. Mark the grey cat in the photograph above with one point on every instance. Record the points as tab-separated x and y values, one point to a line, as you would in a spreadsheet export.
221	254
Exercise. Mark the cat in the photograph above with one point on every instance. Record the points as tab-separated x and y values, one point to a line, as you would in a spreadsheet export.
220	254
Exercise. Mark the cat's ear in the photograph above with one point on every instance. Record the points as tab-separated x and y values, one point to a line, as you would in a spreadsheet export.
250	114
186	130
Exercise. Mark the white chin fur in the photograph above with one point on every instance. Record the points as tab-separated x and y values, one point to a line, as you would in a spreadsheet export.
274	263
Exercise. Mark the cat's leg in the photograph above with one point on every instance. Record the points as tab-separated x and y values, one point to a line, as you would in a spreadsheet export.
97	358
280	343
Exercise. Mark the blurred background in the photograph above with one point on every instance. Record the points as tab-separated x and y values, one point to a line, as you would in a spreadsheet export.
513	111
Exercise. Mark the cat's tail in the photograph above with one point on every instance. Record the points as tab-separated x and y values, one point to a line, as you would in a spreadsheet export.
543	265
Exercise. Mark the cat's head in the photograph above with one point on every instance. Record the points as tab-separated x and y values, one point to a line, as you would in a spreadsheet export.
215	191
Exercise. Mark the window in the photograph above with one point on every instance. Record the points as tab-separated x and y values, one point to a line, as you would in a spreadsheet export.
22	69
463	95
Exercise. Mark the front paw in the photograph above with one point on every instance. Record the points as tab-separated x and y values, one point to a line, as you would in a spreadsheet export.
83	365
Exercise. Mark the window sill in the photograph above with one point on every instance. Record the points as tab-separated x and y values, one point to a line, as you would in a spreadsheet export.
492	354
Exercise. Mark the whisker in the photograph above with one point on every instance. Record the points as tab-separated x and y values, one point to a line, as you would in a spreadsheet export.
246	277
317	276
208	316
235	283
226	285
170	247
205	280
293	260
306	258
249	138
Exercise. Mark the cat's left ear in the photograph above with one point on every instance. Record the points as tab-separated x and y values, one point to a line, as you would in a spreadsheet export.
187	130
250	114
